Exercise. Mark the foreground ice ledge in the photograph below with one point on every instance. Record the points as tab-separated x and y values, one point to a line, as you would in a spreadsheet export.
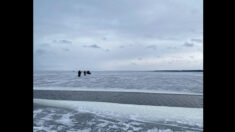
190	116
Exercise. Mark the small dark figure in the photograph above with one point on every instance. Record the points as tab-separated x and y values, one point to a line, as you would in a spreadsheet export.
88	72
84	73
79	73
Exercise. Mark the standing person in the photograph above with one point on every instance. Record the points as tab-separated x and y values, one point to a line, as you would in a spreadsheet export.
79	73
84	73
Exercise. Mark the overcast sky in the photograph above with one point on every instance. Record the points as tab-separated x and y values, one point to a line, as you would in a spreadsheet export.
118	34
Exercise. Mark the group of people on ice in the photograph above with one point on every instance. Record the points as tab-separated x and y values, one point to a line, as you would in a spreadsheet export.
85	72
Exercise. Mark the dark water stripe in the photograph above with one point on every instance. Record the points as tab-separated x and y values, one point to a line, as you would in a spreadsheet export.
155	99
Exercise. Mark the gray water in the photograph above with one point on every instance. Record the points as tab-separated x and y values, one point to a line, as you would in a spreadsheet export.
191	82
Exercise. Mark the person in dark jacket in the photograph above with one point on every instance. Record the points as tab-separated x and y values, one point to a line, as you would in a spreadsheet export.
84	73
79	73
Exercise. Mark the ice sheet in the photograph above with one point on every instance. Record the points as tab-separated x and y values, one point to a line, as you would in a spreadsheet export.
190	116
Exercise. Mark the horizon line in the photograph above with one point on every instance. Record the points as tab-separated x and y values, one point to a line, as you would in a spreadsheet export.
128	70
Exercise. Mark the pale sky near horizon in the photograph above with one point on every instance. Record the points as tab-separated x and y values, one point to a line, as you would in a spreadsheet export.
118	34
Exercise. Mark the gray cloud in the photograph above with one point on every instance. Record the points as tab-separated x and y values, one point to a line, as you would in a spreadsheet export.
187	44
92	46
62	41
172	47
196	40
40	52
122	46
66	41
45	45
151	47
66	49
104	38
132	63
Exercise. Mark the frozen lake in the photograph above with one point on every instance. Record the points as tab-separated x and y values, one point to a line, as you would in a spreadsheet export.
118	101
185	82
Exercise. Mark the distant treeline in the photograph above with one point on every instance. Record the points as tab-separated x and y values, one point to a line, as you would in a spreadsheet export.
178	71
